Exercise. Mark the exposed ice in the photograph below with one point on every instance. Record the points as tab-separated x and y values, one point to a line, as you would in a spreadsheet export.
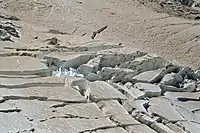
64	72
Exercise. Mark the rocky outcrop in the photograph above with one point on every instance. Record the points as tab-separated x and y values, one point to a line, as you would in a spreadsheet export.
97	92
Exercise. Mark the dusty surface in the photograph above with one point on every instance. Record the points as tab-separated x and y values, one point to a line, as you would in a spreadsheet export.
129	22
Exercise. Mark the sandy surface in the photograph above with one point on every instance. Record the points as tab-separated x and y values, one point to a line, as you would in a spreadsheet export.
129	22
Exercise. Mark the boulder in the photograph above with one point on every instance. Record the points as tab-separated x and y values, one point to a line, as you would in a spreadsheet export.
138	94
112	60
117	112
145	63
153	76
131	93
145	118
93	77
172	79
138	105
85	69
100	90
187	73
172	66
191	105
150	90
91	67
182	96
190	87
118	74
186	113
112	107
125	75
165	88
186	86
67	60
163	108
